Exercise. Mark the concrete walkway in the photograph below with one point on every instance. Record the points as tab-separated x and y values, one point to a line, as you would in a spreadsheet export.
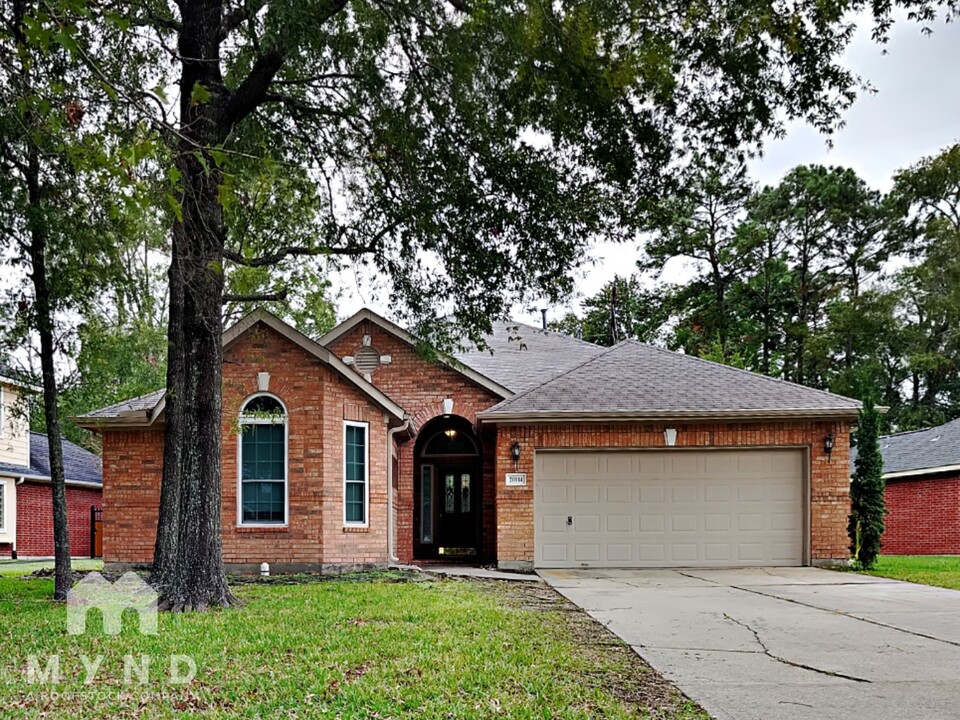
476	572
785	644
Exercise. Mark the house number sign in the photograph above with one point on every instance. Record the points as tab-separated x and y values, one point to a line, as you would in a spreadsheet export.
516	479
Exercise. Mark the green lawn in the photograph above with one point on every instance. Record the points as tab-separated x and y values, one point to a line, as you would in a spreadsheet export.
341	649
16	568
939	570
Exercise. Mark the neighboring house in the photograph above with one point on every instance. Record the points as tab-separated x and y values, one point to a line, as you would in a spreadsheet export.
26	498
922	472
541	451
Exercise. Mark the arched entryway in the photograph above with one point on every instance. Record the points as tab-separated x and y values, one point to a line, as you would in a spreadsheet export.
448	472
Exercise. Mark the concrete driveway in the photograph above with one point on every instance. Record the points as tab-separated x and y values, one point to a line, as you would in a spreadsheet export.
785	644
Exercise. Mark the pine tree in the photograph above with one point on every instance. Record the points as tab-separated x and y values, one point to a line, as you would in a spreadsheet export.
867	509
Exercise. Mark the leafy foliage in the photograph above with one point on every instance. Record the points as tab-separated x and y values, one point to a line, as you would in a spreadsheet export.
865	525
819	280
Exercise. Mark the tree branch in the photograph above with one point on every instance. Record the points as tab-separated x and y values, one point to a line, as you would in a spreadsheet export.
292	251
279	296
253	90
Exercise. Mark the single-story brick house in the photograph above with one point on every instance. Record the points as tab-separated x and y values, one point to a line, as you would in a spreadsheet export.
539	451
922	472
26	497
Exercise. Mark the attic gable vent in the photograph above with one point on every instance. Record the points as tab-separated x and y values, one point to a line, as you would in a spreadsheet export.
366	360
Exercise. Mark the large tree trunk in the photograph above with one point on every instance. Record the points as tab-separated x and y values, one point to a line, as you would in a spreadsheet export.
43	314
188	563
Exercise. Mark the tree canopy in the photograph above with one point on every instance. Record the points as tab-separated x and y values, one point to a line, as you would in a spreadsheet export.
819	280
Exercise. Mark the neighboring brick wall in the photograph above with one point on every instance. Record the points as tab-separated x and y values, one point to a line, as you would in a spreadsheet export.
829	491
420	387
318	400
35	520
923	516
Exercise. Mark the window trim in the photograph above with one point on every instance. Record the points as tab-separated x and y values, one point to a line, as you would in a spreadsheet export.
3	506
366	474
286	461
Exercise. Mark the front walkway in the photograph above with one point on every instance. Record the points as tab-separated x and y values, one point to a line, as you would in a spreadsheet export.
785	644
471	571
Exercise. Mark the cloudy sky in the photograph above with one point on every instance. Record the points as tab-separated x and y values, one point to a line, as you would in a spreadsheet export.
914	112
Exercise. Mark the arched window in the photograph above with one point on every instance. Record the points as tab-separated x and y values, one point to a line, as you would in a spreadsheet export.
263	461
450	442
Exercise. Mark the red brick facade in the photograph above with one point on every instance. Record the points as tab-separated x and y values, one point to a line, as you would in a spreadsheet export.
420	388
319	399
923	516
829	482
35	520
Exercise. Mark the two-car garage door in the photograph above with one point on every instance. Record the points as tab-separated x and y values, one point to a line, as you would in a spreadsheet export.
676	508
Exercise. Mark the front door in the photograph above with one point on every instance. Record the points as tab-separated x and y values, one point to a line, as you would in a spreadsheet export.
457	529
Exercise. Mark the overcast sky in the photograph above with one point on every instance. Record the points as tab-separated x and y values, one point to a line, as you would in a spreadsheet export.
915	112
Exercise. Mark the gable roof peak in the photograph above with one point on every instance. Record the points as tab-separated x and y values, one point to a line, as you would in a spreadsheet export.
454	362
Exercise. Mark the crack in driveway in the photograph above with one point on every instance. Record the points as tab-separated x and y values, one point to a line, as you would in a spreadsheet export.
792	663
860	618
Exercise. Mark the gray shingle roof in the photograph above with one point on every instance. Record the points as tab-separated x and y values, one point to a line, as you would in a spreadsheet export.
12	469
79	465
143	403
921	449
636	379
520	357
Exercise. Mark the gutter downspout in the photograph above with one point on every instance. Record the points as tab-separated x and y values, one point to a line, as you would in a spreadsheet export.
391	545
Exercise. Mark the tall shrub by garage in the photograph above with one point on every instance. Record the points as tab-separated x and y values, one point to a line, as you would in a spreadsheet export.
867	509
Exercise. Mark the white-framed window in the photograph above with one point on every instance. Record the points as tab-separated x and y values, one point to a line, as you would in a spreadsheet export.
356	473
263	489
3	506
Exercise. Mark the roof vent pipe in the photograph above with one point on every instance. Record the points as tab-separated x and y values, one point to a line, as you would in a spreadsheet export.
543	315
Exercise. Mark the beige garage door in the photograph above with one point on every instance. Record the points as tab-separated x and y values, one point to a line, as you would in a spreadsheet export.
676	508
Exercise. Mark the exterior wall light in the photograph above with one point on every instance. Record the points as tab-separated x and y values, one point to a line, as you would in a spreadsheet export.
515	452
670	436
828	445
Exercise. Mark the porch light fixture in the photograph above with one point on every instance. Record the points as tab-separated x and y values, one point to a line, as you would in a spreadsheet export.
828	445
448	406
515	452
450	433
670	436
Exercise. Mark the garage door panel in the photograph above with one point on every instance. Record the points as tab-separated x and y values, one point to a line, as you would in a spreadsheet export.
682	463
683	523
620	524
651	523
617	494
714	522
587	464
619	553
674	508
652	494
685	493
552	494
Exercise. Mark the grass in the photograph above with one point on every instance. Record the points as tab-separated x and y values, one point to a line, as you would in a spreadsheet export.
938	570
17	568
341	649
